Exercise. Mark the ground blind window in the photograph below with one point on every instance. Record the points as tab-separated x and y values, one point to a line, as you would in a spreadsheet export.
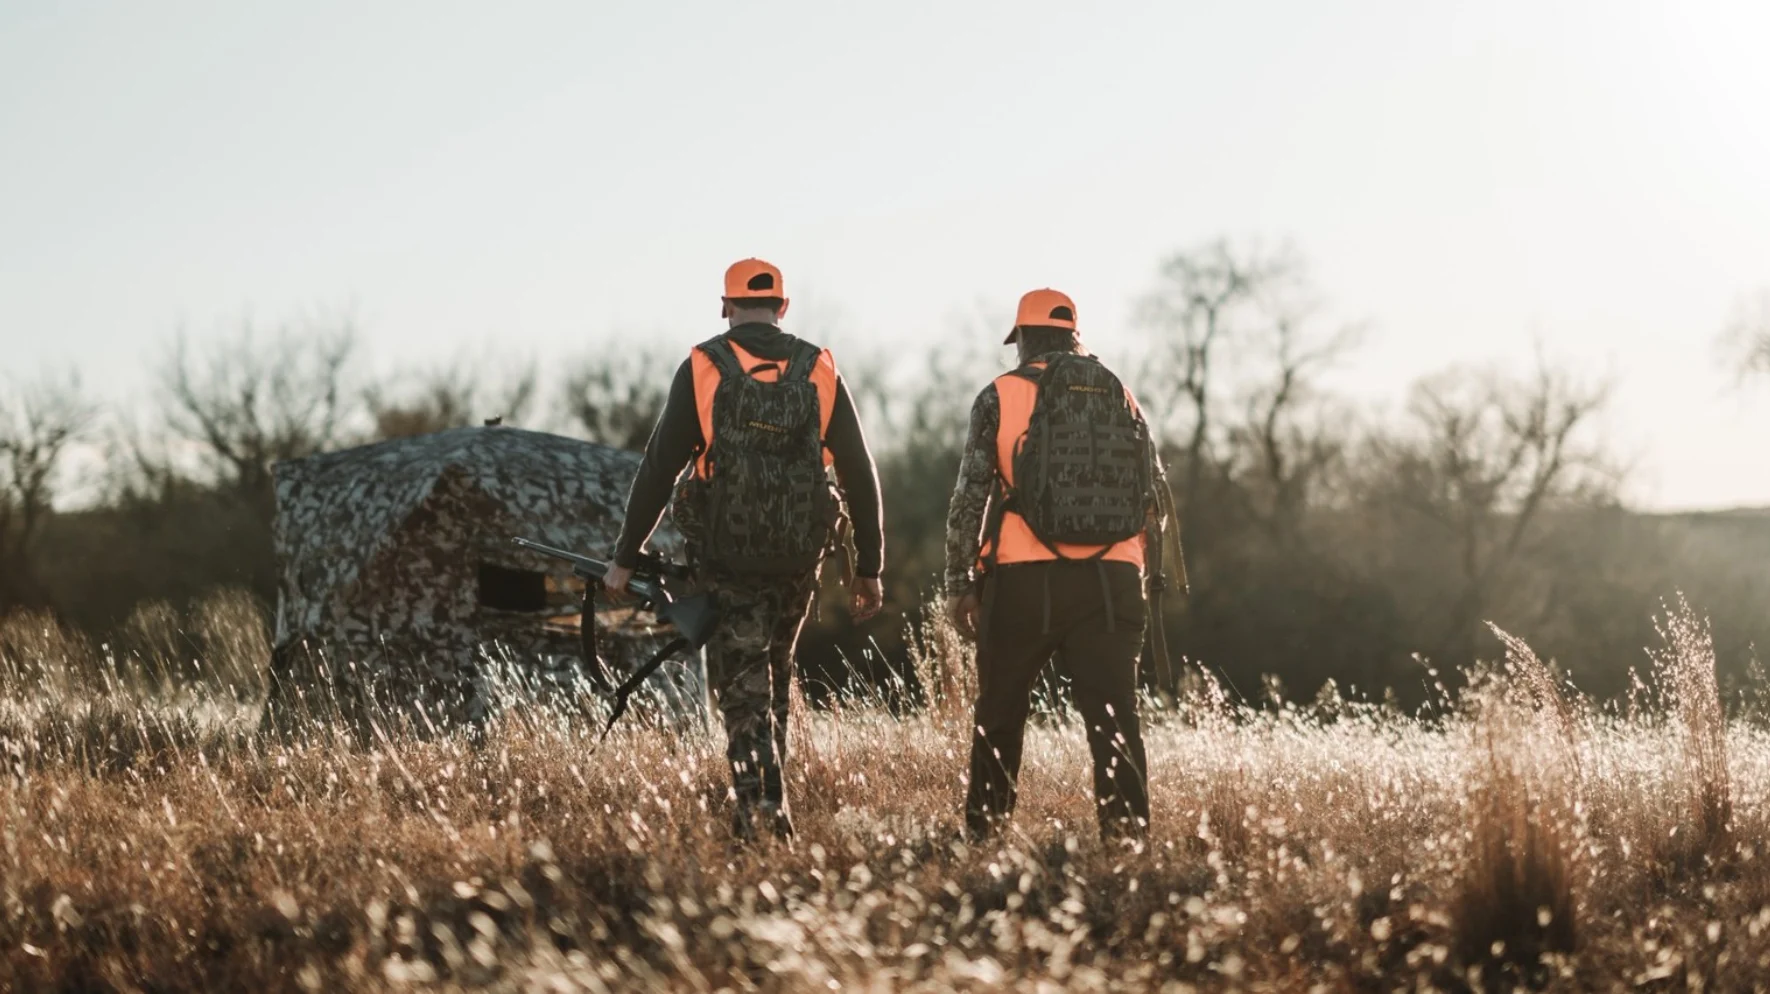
504	589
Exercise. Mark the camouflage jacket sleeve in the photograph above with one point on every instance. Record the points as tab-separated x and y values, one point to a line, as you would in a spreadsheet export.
673	443
970	504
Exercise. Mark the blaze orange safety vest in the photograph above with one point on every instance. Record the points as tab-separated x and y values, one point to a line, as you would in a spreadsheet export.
706	384
1017	543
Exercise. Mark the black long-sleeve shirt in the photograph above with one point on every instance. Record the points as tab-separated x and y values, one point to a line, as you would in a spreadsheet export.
677	439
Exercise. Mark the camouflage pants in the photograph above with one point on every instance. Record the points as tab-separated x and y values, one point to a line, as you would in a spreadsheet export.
750	671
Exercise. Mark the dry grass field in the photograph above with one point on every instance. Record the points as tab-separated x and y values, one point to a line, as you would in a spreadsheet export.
1514	837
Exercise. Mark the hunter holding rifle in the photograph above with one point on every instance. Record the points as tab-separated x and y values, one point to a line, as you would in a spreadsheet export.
757	417
1060	511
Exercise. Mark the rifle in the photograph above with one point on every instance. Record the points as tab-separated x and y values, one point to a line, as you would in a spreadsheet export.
694	617
1166	562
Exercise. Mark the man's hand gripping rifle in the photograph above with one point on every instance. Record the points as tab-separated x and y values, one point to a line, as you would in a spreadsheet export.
694	617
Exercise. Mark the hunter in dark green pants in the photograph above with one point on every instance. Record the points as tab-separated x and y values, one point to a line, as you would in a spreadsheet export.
1058	509
1096	644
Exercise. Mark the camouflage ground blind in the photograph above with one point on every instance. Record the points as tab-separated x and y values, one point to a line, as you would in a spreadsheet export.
397	582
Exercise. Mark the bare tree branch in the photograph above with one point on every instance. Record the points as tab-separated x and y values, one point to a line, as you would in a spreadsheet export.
615	397
1290	451
1745	341
1486	457
1220	314
452	396
37	425
248	402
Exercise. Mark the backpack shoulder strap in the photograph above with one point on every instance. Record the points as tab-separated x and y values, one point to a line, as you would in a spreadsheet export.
1061	363
802	362
1073	360
718	348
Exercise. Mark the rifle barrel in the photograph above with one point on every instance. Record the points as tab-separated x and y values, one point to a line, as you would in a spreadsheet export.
647	583
583	565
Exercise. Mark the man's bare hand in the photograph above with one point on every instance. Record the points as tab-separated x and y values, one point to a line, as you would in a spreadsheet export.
615	580
962	611
867	596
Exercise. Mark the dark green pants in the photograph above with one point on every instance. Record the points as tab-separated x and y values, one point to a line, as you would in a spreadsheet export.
1036	611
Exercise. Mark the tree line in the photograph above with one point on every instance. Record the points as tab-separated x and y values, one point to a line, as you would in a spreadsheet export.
1327	539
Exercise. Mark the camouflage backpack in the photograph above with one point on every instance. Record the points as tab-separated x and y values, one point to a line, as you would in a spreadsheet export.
767	505
1083	474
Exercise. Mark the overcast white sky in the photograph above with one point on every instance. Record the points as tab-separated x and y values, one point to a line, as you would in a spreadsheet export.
1467	177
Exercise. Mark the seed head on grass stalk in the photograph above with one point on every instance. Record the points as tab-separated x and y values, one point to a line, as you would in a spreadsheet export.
1684	669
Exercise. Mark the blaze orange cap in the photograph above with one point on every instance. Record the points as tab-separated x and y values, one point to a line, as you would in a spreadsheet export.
1045	308
750	279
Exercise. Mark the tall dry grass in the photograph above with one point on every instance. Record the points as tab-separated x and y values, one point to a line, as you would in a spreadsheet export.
1525	873
150	839
1684	668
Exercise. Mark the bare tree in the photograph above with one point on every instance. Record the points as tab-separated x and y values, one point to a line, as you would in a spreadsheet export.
1290	436
246	402
451	396
1206	301
37	425
1745	341
1486	458
615	397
